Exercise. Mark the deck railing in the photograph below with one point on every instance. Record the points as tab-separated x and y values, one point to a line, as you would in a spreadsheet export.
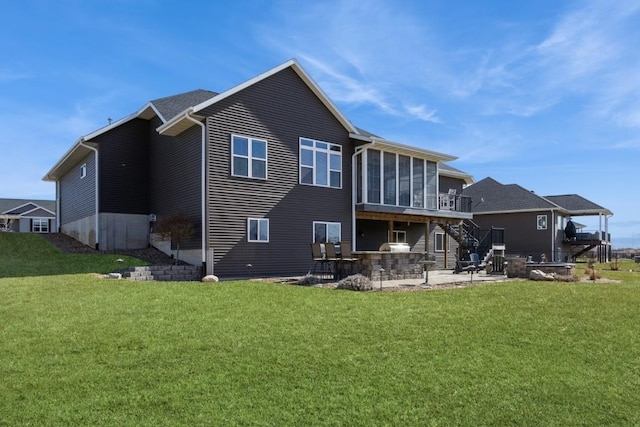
595	235
454	202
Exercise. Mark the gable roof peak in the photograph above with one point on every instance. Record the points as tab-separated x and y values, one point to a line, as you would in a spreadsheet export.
179	122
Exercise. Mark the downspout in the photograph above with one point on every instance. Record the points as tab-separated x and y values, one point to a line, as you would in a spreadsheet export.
203	189
58	226
97	223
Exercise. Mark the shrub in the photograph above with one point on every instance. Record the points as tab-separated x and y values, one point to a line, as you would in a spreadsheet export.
592	273
357	282
308	280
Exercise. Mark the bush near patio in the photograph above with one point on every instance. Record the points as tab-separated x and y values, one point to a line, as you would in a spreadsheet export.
79	350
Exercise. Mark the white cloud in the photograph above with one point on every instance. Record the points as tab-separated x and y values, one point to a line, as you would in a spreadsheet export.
421	112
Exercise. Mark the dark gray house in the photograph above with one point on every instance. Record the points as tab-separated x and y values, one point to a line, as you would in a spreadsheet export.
534	225
263	170
28	215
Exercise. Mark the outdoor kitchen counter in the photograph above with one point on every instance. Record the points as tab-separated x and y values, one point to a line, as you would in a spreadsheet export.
396	265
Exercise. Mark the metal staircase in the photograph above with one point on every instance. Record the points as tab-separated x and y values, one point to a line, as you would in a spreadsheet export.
488	244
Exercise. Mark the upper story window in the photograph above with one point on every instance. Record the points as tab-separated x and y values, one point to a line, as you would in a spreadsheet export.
320	163
83	170
542	222
248	157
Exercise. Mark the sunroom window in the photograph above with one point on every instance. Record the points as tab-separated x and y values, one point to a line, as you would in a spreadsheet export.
396	179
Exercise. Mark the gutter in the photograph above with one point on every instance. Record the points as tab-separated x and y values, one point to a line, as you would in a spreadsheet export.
203	185
97	223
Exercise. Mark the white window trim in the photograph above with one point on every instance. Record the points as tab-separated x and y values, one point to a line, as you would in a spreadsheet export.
250	157
259	220
397	234
40	221
435	242
539	224
315	167
326	223
426	195
83	170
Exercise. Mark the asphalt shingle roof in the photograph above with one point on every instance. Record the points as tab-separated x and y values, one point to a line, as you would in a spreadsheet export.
7	205
576	204
489	195
170	106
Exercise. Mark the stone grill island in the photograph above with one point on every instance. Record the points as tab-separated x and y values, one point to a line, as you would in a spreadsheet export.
396	259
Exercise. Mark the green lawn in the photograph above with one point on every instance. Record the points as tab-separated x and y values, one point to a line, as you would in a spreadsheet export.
23	254
79	350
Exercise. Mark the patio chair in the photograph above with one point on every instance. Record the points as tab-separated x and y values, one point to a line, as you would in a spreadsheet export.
331	257
346	256
470	265
319	258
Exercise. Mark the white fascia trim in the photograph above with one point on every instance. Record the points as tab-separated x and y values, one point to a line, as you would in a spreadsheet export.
541	211
417	151
35	209
468	179
189	112
64	157
360	137
21	206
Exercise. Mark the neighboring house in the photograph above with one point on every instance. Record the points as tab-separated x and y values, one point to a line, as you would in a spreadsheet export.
534	225
263	169
28	216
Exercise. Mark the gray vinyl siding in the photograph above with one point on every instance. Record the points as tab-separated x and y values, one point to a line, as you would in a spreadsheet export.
279	109
520	232
40	213
446	183
78	195
175	177
124	165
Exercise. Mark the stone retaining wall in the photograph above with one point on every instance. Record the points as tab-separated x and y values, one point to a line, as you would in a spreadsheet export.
167	273
519	267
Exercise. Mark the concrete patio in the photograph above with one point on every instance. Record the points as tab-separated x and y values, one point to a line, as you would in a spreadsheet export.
440	278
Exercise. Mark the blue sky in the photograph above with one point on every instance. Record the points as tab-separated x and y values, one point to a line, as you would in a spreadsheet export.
544	94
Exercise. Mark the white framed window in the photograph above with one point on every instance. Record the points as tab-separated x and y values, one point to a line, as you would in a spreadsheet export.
320	163
83	170
248	157
542	222
439	242
40	225
258	230
326	232
400	236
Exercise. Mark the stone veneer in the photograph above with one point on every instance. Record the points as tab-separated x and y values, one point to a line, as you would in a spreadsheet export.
396	265
519	267
167	273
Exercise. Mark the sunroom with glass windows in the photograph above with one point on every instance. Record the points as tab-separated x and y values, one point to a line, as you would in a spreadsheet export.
397	195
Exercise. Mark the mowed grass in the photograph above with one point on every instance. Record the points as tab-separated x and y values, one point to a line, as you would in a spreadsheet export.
79	350
23	254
